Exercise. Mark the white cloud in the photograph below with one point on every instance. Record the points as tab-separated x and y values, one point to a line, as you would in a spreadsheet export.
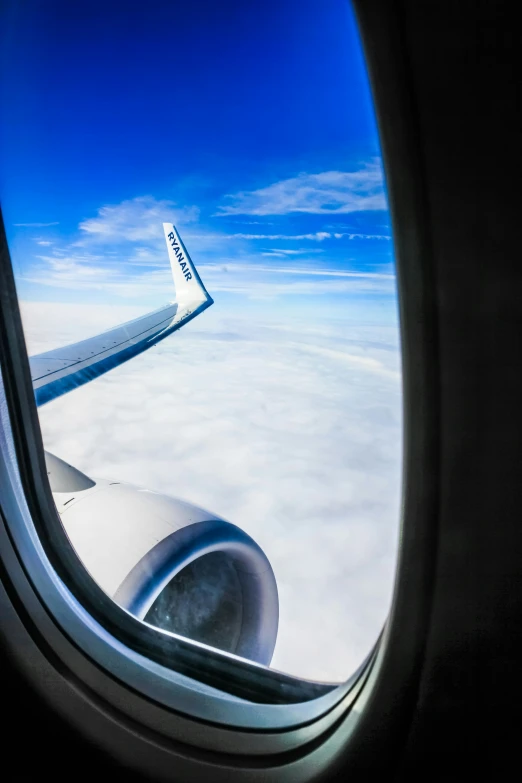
317	236
345	235
37	225
136	220
253	222
297	252
290	270
289	429
80	274
247	280
270	282
43	242
113	244
330	192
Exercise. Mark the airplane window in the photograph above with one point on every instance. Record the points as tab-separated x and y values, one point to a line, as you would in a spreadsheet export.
196	214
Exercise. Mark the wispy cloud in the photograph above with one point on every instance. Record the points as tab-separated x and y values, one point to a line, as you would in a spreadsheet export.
91	273
43	242
254	281
329	192
37	225
282	252
348	235
253	222
137	219
308	271
317	236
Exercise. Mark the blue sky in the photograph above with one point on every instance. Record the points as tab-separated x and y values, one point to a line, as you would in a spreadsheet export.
250	125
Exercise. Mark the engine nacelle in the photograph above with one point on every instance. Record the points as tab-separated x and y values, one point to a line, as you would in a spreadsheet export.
170	563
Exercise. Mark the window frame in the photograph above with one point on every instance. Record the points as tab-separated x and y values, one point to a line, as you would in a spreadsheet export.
389	679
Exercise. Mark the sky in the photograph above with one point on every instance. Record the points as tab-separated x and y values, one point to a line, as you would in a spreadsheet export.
251	127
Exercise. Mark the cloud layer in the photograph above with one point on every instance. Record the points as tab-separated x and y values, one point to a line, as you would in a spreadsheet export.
289	429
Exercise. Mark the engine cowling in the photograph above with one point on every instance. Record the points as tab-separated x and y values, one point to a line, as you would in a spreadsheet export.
169	563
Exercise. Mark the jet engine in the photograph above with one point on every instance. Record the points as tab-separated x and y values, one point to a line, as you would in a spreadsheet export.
169	563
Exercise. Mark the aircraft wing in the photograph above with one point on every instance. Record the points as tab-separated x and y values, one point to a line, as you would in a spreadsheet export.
56	372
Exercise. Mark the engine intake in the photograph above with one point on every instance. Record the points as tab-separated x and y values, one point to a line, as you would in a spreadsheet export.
169	563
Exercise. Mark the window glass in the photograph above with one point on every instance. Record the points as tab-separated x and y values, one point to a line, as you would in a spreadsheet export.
277	409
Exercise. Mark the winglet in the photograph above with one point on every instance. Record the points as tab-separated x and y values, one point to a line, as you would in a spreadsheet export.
190	291
59	371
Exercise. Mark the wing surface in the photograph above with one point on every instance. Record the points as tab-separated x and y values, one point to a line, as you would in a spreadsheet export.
59	371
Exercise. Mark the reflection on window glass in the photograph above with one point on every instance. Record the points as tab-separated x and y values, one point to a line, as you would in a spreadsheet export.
226	463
